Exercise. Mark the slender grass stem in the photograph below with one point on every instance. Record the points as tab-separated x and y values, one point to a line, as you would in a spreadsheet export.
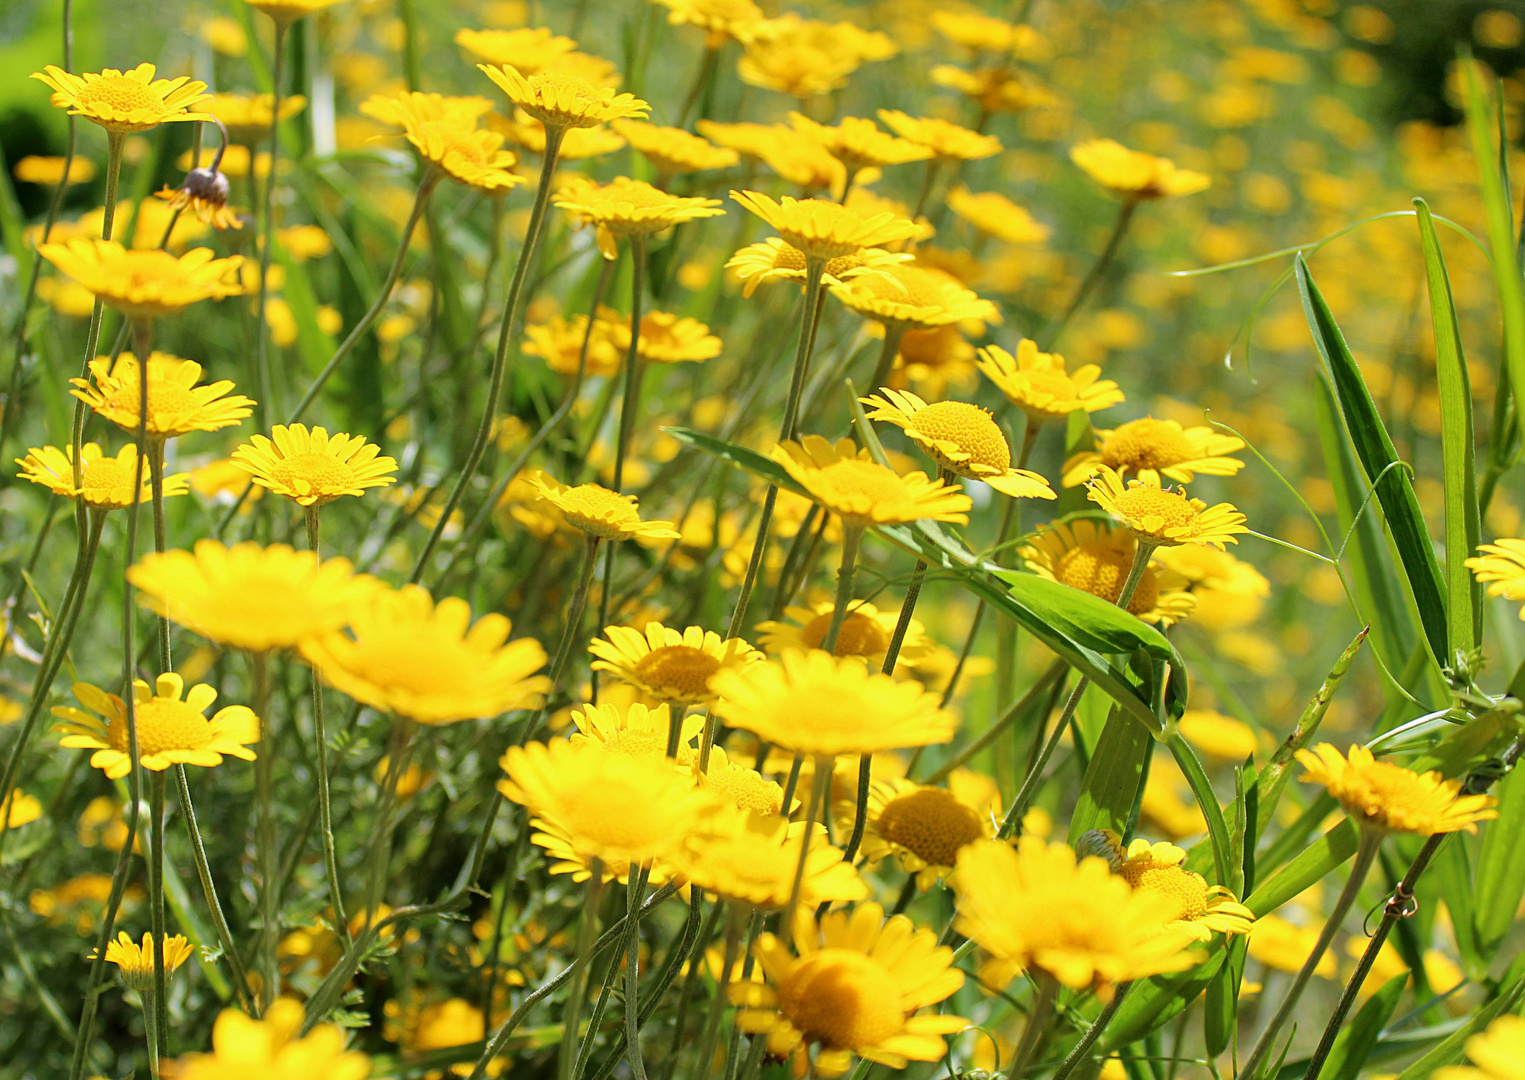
159	998
240	977
380	859
571	1013
894	334
1079	1051
852	539
1046	992
637	886
320	748
1055	329
820	784
264	830
265	408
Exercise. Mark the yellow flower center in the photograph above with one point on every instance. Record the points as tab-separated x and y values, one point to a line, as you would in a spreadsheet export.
108	474
1101	569
1145	444
163	724
853	476
841	998
748	789
163	400
677	672
318	471
931	824
636	743
970	428
1189	889
596	509
120	94
859	636
1142	501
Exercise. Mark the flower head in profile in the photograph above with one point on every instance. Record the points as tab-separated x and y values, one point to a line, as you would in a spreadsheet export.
817	704
444	132
823	230
625	207
963	439
673	150
1164	517
136	963
942	139
203	192
1095	558
145	284
854	988
313	467
599	512
249	596
1038	384
1134	174
411	657
576	143
997	89
858	143
979	33
1205	909
915	297
559	342
865	633
634	728
1389	798
49	171
124	102
722	20
1501	567
925	826
751	859
665	338
105	483
1153	449
526	48
177	405
995	215
848	482
562	99
673	666
173	728
772	259
285	12
1495	1052
807	57
271	1048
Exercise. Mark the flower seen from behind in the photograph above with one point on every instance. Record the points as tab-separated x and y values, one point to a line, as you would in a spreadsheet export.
1389	798
285	12
444	132
915	297
962	438
1164	517
526	48
773	259
625	207
599	512
313	467
995	215
940	138
124	102
825	230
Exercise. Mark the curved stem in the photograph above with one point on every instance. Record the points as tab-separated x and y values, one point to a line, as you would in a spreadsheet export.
630	408
204	873
1045	991
266	404
1053	331
1088	1040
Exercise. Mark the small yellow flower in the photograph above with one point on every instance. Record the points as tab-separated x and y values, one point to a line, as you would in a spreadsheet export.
772	259
995	89
105	482
735	20
171	731
563	99
20	809
419	1029
176	404
144	284
987	33
248	116
124	102
995	215
444	132
846	481
49	171
752	859
825	230
1205	909
1095	558
1495	1053
271	1049
1501	567
634	728
303	242
665	338
914	297
285	12
600	512
865	633
576	143
1229	592
1134	174
559	343
670	665
806	57
1038	384
1160	516
947	141
1157	448
526	48
625	207
858	143
136	963
312	467
925	827
961	438
673	150
1219	736
741	787
1389	798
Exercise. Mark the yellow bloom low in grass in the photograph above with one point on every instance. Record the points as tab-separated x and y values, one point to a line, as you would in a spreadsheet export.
1219	736
673	666
1205	909
995	215
428	662
673	150
944	140
774	260
963	439
1501	567
855	987
625	207
526	48
106	483
49	171
858	143
865	632
665	338
1388	798
723	20
145	284
1133	174
1038	384
173	728
312	467
599	512
1495	1053
846	481
271	1048
20	809
559	342
135	963
1229	592
563	99
124	102
924	826
823	230
1095	558
752	859
1160	516
1152	449
176	404
444	132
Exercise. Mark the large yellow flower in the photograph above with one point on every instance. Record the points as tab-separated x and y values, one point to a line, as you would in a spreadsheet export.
665	338
1037	383
925	827
271	1049
1134	174
1157	448
526	48
1501	567
674	666
817	704
625	207
854	988
1389	798
1095	558
124	102
962	438
1160	516
105	483
171	731
846	481
772	259
1036	907
562	99
865	633
444	131
312	467
248	596
427	662
752	859
995	215
914	297
1495	1053
598	511
136	962
825	230
1205	909
145	284
947	141
673	150
634	728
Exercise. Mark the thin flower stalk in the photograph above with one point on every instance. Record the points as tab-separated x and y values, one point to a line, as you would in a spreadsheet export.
380	860
820	785
1079	1051
266	406
1045	995
320	737
633	971
264	831
1098	270
230	951
578	995
158	1035
894	334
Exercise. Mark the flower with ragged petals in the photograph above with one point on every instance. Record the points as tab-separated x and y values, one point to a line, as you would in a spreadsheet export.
1134	174
1205	909
562	99
313	467
124	102
136	963
271	1048
625	207
1501	567
177	405
847	481
963	439
105	483
597	511
673	666
444	132
1095	558
673	150
1038	384
1164	517
145	284
773	259
751	859
1152	449
825	230
1389	798
940	138
995	215
908	296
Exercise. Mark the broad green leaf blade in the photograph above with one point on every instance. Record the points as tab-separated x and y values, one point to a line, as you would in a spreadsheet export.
1221	1006
1154	1002
1207	799
1452	875
1112	781
1501	866
1319	858
1379	460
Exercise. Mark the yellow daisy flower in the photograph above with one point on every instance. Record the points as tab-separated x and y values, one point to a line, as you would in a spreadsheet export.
49	171
995	215
945	140
741	787
145	284
674	666
865	633
1095	558
248	116
1501	567
673	150
825	230
419	1029
598	511
817	704
1134	174
312	467
752	859
806	57
559	343
21	809
563	99
1495	1052
1229	592
1389	798
987	33
1157	448
136	963
925	827
1037	383
1219	736
773	259
665	338
248	596
635	729
1160	516
846	481
105	483
1110	933
625	207
271	1049
171	731
288	11
734	20
176	405
914	297
444	132
124	102
411	657
526	48
995	89
1205	909
963	439
858	143
854	988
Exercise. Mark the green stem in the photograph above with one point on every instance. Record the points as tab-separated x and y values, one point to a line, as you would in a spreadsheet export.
894	334
1044	685
630	408
820	784
928	180
264	835
266	404
852	538
702	79
204	872
1088	1040
320	736
571	1013
160	1033
151	1014
637	886
381	836
1052	334
1046	991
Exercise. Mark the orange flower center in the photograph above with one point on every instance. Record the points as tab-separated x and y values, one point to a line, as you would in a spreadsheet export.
677	673
319	472
968	427
118	93
843	999
1101	569
1146	444
931	824
859	636
163	724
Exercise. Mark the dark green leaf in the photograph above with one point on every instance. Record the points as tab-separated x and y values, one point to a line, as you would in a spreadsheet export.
1113	779
1318	859
1207	799
1501	866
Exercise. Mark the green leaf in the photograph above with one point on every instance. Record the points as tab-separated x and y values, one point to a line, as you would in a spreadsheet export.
1112	781
1154	1002
1379	460
1221	1012
1501	866
1207	799
1451	1048
1319	858
1451	873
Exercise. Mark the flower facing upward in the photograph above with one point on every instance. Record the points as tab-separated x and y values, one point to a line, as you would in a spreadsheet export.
773	259
444	132
846	481
962	438
995	215
526	48
562	99
858	143
600	512
145	284
1134	174
673	150
1501	567
248	596
136	962
817	704
854	988
1157	448
926	827
312	467
865	633
1160	516
665	338
635	729
105	483
625	207
1095	558
1495	1053
1390	798
670	665
1205	909
271	1049
1010	901
124	102
176	405
171	731
751	859
1037	383
288	11
948	142
825	230
917	297
412	657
